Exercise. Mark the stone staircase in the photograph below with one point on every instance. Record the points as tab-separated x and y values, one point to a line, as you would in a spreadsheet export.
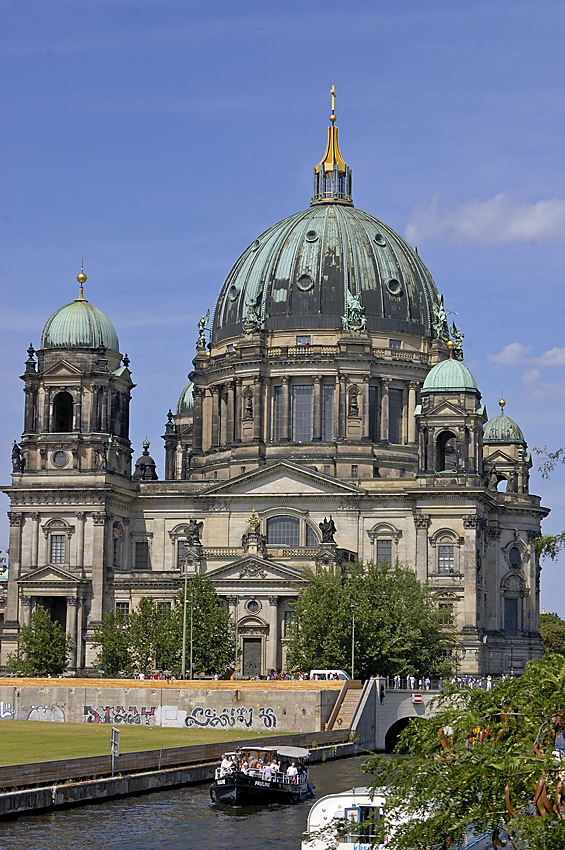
346	705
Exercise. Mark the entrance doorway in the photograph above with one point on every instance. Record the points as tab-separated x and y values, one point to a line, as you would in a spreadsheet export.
251	656
57	608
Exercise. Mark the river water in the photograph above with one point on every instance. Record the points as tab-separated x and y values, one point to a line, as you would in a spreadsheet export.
182	819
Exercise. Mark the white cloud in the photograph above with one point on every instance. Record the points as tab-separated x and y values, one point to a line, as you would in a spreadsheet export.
553	357
511	355
499	219
536	389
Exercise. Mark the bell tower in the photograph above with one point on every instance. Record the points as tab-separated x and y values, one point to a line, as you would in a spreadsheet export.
77	396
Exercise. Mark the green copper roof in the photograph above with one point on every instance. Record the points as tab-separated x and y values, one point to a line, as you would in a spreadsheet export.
79	325
502	429
449	376
300	272
185	402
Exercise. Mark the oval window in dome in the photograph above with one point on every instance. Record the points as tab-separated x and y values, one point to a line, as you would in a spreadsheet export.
233	293
311	236
256	245
394	286
379	239
305	282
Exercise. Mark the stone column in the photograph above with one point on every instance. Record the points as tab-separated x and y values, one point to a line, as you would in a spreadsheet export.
223	417
104	411
384	408
273	644
342	407
25	610
366	424
126	544
317	424
80	628
81	519
230	412
238	410
215	396
28	414
77	410
34	539
16	523
197	421
412	390
257	409
98	565
422	523
71	629
285	409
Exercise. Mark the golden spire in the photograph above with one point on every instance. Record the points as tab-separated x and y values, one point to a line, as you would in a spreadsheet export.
451	345
332	156
502	404
82	278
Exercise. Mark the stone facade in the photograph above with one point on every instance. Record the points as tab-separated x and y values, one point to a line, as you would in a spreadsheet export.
327	390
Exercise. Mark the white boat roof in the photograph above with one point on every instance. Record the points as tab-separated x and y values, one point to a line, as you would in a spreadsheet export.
332	805
285	752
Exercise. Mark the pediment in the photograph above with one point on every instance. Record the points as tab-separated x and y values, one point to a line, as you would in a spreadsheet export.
49	574
62	369
283	478
446	408
254	569
500	457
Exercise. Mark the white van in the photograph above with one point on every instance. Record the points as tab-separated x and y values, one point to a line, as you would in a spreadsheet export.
322	675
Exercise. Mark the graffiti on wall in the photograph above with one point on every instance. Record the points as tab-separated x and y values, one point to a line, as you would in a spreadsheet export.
6	710
119	714
45	713
232	717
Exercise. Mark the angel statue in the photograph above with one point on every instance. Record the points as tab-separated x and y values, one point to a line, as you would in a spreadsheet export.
201	341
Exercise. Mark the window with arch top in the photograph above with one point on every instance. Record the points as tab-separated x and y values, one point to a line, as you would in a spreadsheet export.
446	452
63	412
283	530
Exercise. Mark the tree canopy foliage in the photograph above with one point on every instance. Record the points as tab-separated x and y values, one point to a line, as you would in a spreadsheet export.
150	637
549	545
398	628
43	648
484	759
552	629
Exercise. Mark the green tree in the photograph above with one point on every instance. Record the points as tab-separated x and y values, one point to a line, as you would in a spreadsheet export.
398	627
213	643
549	545
112	639
44	647
552	629
483	759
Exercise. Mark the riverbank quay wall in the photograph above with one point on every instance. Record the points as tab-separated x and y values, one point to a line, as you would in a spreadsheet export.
261	706
138	773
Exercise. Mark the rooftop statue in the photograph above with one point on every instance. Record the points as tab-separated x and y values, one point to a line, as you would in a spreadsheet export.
458	338
354	318
201	341
439	324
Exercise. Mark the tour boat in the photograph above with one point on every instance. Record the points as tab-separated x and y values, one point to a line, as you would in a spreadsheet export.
241	785
353	820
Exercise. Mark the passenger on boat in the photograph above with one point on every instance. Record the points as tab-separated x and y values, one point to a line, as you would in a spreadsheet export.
292	772
268	772
226	765
252	763
244	767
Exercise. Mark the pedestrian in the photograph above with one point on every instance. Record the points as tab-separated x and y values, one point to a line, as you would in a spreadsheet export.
489	682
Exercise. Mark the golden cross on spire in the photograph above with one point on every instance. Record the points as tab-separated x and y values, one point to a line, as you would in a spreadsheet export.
332	92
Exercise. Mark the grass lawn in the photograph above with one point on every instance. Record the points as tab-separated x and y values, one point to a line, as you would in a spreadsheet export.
24	741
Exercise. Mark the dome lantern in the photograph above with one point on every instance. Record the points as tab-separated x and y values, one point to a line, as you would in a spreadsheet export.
332	176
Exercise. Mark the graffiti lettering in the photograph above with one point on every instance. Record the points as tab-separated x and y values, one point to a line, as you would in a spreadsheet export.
118	714
47	714
231	717
6	710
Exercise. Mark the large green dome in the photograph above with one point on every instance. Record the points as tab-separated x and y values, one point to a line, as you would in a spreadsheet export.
449	376
79	325
298	272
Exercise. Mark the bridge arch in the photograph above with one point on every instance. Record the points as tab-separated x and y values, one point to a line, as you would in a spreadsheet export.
393	733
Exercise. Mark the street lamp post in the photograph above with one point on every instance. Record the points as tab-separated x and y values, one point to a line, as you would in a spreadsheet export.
353	607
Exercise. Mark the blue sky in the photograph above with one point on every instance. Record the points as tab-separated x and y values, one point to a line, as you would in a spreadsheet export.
157	138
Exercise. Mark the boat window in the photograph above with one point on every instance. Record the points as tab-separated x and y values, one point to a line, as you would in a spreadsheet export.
363	822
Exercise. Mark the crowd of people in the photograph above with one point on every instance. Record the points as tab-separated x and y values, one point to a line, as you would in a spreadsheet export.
258	767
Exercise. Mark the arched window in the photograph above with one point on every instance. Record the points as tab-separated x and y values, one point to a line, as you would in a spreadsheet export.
283	530
515	557
446	452
63	412
311	539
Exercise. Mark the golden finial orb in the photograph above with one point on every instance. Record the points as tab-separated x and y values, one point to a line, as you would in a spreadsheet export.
502	404
81	277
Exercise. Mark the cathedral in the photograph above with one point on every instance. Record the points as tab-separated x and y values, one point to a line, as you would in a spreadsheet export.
328	417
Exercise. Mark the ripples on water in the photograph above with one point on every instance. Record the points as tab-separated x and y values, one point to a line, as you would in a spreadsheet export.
182	819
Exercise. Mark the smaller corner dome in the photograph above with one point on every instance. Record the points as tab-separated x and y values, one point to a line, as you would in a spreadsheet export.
185	403
79	325
449	376
502	429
